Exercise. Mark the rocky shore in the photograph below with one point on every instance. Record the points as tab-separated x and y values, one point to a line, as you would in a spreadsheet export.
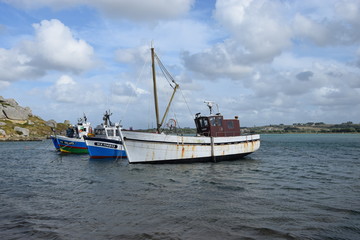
17	123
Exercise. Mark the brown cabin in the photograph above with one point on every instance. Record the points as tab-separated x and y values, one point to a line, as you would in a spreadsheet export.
217	126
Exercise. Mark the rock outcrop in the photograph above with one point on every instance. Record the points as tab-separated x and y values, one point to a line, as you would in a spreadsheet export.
51	123
22	131
10	109
18	123
2	133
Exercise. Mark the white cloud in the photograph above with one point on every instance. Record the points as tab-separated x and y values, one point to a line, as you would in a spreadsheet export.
15	65
217	62
358	58
133	55
56	48
134	9
257	35
333	24
4	84
305	27
143	10
257	25
273	61
65	90
348	10
127	89
57	4
260	30
326	83
231	12
53	48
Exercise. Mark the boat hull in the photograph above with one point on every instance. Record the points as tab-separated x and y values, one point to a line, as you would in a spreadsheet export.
101	148
154	148
55	142
71	145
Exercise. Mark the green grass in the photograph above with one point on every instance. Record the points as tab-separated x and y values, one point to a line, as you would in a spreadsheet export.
38	130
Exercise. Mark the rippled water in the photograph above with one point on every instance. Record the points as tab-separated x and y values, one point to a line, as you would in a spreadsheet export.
294	187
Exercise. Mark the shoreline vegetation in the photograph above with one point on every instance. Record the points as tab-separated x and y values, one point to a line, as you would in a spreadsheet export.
39	130
310	127
32	129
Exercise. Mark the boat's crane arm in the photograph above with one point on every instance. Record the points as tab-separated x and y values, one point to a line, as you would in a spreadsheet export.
168	106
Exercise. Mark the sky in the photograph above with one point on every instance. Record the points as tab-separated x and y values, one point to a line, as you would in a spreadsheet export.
268	62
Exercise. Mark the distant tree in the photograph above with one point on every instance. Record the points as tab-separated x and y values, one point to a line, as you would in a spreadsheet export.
291	129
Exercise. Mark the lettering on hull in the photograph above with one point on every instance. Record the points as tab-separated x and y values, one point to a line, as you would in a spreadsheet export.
107	145
66	142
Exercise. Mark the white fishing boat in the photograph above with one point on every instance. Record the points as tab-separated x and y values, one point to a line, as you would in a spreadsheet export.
217	138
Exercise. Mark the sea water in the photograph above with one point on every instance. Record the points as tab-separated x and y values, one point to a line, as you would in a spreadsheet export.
295	186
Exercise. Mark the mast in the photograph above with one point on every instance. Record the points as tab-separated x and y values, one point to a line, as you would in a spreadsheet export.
158	125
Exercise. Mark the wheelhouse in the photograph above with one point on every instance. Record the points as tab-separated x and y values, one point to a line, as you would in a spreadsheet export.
217	126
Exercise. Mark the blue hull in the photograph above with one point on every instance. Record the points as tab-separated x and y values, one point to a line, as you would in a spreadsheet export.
69	145
55	142
105	148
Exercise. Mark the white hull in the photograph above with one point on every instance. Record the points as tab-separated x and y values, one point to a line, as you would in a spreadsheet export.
150	147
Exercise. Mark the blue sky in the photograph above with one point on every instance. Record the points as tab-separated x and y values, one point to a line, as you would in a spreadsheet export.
268	62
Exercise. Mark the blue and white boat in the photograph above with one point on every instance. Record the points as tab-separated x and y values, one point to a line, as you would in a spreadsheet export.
73	142
106	147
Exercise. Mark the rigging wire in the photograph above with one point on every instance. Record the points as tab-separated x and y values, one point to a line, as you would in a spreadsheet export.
167	76
187	105
136	84
165	71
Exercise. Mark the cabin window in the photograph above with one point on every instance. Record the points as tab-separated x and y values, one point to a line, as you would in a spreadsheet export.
117	133
204	122
218	121
215	121
110	132
212	121
230	125
99	131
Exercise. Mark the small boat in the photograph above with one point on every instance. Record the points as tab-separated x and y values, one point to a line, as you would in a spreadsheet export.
109	146
73	142
216	139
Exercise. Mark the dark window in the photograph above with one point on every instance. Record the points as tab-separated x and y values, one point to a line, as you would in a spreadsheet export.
218	121
99	131
204	122
110	132
230	124
212	121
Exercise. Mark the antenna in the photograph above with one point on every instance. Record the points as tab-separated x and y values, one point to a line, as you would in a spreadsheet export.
210	105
